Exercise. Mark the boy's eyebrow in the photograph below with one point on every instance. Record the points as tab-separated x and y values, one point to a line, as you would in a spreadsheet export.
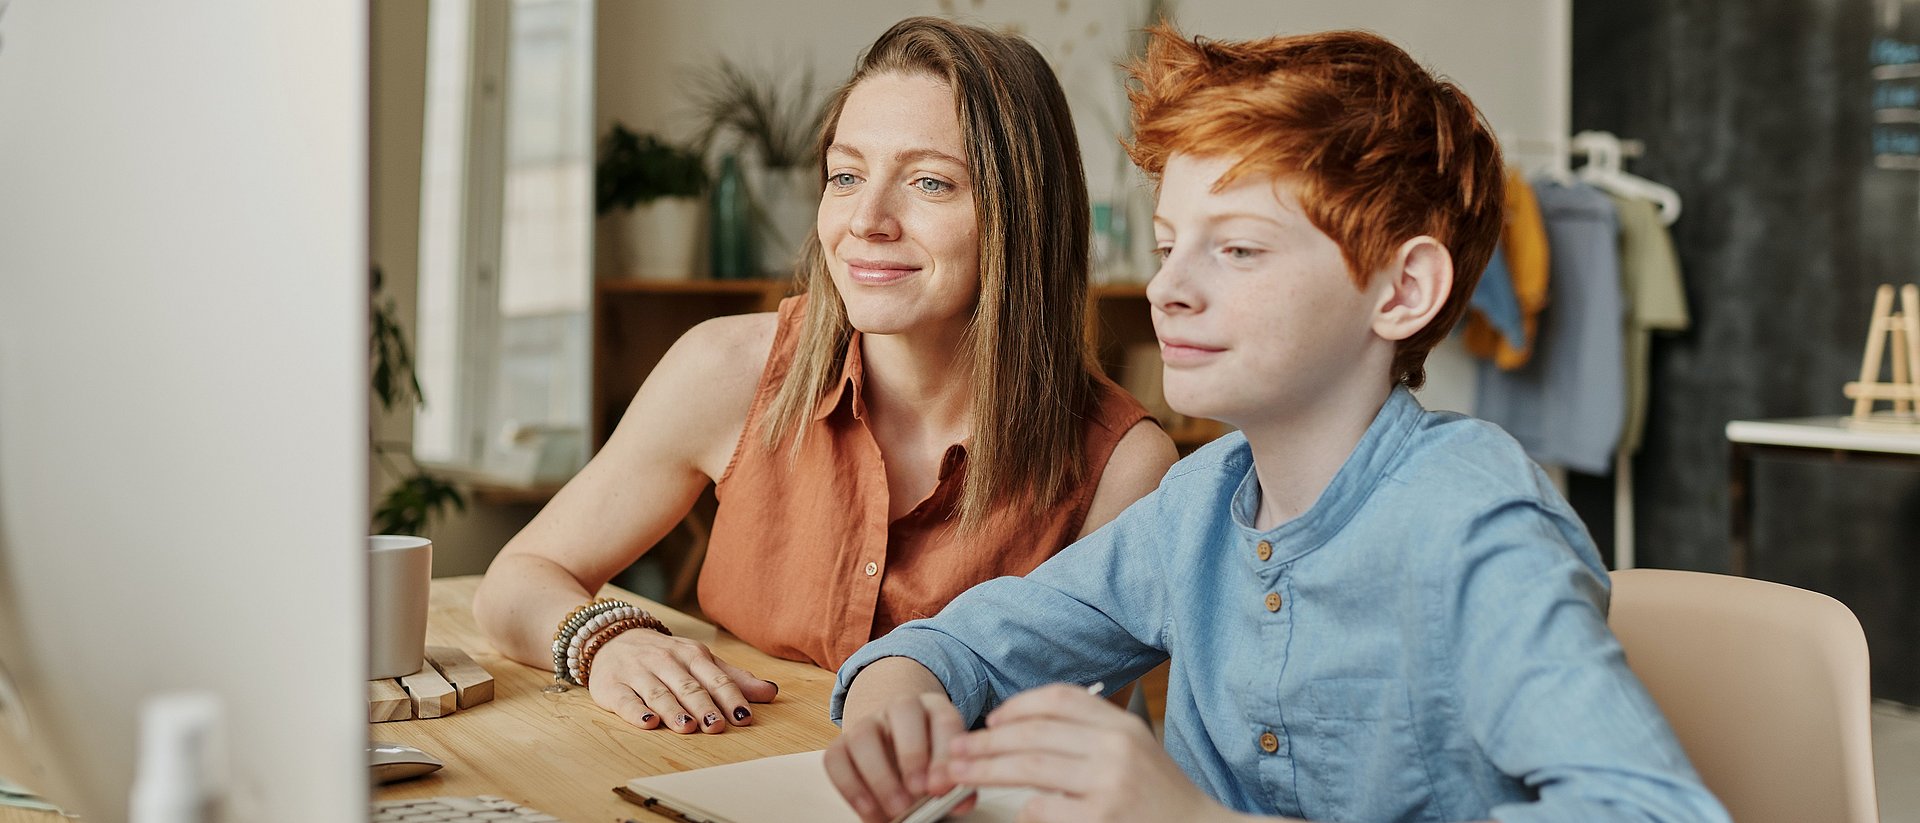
907	156
1222	217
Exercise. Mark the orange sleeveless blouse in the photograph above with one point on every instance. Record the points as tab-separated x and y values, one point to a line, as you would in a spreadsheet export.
803	562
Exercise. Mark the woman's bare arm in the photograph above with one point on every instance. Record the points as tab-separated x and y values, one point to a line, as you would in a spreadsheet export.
677	436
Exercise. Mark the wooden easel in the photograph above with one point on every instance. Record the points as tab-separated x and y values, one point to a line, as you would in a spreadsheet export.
1903	389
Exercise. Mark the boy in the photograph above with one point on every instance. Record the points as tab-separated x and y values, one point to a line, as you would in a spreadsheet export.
1373	612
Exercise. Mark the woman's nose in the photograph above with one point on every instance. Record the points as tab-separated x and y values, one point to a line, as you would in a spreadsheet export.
874	215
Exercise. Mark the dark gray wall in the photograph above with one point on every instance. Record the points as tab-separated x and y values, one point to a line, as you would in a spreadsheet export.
1759	113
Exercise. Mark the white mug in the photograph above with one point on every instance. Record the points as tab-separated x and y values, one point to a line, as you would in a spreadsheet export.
399	577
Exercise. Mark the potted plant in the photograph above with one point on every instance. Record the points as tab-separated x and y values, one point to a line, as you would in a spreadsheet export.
775	124
419	496
653	187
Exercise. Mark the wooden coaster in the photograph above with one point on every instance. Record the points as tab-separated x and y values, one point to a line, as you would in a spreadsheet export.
450	681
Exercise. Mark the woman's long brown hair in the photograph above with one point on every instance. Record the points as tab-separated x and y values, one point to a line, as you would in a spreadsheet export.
1033	382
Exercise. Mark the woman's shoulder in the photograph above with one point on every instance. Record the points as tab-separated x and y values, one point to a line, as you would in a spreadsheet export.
703	390
722	347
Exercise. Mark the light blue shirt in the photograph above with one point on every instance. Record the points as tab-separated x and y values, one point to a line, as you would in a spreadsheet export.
1427	642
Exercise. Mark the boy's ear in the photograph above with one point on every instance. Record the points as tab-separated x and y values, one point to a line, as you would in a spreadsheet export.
1412	289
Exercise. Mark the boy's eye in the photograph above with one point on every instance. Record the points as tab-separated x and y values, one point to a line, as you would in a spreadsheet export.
843	179
1162	251
1241	253
932	186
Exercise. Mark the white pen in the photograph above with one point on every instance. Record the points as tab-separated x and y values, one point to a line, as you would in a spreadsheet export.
934	809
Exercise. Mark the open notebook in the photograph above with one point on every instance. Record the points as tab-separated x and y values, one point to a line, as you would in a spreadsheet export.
790	788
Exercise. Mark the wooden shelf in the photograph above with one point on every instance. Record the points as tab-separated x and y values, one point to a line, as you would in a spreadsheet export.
1192	433
637	320
497	494
1108	291
611	286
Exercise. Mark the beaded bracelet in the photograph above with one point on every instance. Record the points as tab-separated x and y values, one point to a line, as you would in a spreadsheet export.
563	635
614	629
587	621
599	623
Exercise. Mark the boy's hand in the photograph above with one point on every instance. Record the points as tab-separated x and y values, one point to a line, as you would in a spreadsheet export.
881	762
1090	761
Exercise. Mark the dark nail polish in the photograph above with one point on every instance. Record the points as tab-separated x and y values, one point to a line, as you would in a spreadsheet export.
685	719
711	718
741	713
646	718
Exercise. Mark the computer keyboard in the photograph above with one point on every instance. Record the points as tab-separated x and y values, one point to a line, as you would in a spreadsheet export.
457	810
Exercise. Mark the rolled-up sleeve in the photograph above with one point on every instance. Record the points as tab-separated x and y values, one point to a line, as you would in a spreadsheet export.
1095	612
1543	684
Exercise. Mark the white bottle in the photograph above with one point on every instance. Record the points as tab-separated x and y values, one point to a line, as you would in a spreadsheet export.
180	777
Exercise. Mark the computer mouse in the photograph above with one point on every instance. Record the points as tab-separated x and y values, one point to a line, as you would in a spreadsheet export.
393	762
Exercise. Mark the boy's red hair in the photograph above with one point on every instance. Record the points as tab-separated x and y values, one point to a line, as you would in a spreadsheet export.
1382	150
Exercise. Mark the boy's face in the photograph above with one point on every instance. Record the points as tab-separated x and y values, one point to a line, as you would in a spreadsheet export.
1257	316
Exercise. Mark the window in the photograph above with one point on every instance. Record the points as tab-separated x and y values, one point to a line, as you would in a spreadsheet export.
506	233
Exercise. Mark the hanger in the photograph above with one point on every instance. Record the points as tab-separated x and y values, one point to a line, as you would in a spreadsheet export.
1605	170
1538	157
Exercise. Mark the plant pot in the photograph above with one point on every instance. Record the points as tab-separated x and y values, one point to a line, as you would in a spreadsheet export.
786	202
660	240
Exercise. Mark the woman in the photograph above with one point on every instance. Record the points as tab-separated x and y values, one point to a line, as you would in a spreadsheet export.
924	417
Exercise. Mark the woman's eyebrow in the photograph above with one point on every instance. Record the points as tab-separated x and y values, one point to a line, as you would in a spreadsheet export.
928	154
905	156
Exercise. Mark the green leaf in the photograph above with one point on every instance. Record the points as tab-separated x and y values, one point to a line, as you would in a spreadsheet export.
640	168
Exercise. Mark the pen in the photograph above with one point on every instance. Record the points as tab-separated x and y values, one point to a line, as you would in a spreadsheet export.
933	809
654	805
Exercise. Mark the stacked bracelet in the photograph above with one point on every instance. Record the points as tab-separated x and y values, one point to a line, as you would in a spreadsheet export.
592	627
563	635
592	646
600	620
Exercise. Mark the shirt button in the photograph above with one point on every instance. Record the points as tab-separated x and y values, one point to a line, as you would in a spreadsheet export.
1269	743
1264	551
1273	601
872	568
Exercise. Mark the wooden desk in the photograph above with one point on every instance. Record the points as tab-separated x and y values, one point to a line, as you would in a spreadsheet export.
1804	436
561	753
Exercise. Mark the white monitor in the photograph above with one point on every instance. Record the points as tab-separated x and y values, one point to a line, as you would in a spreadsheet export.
183	392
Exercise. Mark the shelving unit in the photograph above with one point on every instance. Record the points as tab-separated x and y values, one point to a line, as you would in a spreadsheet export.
636	321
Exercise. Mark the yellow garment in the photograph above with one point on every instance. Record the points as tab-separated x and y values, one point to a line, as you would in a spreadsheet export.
1524	241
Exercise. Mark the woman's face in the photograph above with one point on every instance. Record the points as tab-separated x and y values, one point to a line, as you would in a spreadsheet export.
896	218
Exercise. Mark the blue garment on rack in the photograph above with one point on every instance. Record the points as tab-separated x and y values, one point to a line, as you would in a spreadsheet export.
1493	297
1567	405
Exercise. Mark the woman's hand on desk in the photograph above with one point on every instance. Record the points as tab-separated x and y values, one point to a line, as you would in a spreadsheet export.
653	680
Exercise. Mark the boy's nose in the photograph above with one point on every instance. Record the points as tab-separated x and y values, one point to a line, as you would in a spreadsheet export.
1170	290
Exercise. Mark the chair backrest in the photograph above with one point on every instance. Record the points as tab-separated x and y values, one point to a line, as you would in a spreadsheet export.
1765	685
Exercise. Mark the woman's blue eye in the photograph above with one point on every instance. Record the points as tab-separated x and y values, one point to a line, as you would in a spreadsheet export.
932	186
843	179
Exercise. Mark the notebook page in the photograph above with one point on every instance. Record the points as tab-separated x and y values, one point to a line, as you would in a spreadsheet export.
790	788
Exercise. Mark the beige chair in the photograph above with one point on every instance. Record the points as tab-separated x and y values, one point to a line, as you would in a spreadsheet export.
1765	685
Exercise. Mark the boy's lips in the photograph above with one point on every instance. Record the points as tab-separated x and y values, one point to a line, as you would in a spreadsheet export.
1178	352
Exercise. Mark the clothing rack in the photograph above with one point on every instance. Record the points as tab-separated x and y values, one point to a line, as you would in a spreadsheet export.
1604	153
